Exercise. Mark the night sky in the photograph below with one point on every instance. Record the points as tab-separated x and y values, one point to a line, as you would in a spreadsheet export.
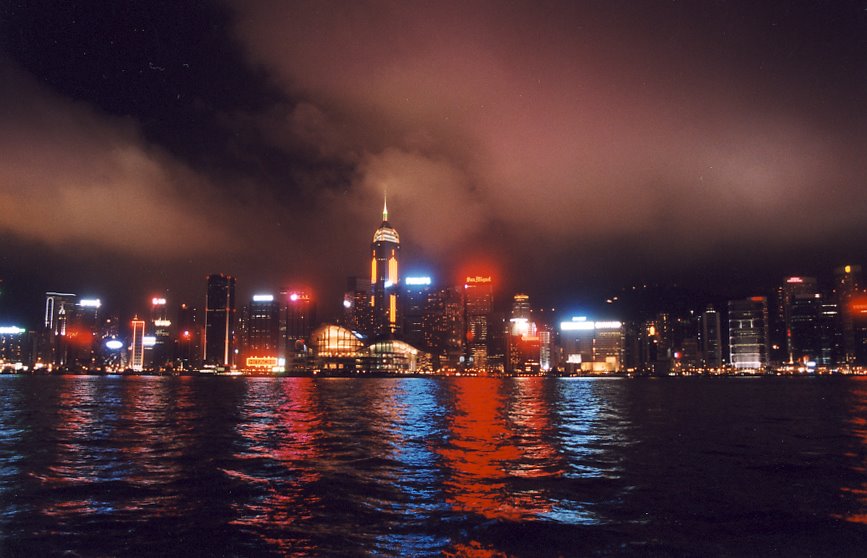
572	148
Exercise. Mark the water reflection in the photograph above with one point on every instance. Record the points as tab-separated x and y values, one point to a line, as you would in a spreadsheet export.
74	466
592	433
413	418
151	442
858	423
278	451
455	467
12	432
482	455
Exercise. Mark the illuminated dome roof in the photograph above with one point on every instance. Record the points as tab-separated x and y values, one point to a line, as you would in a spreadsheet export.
333	340
385	232
392	346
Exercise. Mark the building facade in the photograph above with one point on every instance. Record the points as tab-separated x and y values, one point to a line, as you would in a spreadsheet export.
218	344
385	279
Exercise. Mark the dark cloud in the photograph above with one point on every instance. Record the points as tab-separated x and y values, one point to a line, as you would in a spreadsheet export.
559	138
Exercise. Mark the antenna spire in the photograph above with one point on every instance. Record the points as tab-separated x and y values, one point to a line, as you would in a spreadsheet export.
385	207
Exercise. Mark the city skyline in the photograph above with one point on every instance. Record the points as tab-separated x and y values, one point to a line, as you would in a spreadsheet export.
577	149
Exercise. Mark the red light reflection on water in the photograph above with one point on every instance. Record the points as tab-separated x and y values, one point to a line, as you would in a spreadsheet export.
73	422
281	425
858	424
482	456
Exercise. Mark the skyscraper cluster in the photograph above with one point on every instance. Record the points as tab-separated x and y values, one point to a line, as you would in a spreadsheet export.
396	324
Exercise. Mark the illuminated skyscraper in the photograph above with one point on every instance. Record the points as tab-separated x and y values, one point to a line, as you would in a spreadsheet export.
160	325
415	295
748	333
443	327
219	321
58	306
847	291
52	343
260	339
805	333
594	347
782	350
189	337
136	360
478	308
385	254
299	317
358	306
522	340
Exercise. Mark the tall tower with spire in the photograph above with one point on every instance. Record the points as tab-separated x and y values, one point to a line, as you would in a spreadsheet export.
384	278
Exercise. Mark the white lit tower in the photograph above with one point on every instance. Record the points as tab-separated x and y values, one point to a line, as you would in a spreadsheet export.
384	279
160	325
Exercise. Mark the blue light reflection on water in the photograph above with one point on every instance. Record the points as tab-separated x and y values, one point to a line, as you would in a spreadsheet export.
303	466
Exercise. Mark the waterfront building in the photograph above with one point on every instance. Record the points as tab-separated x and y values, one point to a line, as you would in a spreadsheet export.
358	306
478	310
162	353
748	333
523	343
415	296
219	350
385	279
299	318
852	305
546	350
188	343
443	327
711	338
336	350
261	347
782	349
137	344
81	337
15	344
52	343
592	346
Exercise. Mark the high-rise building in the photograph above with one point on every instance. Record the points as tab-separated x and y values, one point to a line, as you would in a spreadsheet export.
384	278
478	310
358	306
443	326
847	292
522	340
711	338
136	360
546	361
804	329
261	346
219	343
589	346
415	295
299	317
14	347
83	327
162	353
188	353
59	307
748	333
831	338
782	350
